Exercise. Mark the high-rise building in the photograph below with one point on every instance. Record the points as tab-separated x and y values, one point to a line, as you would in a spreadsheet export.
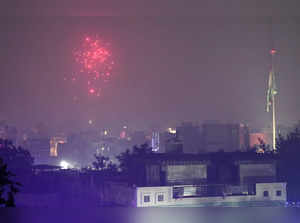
228	137
138	138
162	141
189	134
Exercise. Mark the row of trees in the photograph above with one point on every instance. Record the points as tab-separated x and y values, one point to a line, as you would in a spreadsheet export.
128	162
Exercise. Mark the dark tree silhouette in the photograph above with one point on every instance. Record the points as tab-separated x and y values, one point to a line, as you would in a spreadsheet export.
132	162
103	163
124	161
289	166
8	188
127	159
19	160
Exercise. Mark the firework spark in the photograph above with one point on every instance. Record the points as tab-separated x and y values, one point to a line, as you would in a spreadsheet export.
95	64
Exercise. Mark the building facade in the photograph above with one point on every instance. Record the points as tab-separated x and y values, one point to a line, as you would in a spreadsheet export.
262	194
190	136
227	137
216	179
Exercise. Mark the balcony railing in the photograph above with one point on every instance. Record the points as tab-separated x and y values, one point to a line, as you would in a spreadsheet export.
211	190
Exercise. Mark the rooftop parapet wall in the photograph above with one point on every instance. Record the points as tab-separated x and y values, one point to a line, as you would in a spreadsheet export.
265	193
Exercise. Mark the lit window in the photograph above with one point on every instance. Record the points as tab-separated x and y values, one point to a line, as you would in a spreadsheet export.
147	199
160	197
266	193
278	193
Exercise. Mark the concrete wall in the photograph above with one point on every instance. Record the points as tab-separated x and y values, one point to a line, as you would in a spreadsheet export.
153	193
121	194
118	194
272	189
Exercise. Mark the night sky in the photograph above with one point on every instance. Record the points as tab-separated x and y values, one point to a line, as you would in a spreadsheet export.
210	65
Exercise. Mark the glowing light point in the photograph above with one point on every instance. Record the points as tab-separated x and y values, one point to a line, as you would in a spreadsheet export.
90	122
273	51
92	91
123	135
172	131
65	165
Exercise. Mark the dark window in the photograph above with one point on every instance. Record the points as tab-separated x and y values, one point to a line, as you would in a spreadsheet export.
147	198
160	197
266	193
278	193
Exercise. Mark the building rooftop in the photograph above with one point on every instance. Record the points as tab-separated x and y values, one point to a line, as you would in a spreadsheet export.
206	157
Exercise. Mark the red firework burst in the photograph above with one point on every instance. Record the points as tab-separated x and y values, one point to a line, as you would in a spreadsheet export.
95	60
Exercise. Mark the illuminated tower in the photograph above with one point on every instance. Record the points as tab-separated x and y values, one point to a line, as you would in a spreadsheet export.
155	141
271	93
54	141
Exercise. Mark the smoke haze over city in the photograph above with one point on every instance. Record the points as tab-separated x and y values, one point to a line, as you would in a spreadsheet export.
167	69
149	104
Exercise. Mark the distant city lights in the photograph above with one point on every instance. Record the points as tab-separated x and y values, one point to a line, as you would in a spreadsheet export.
123	135
172	131
65	165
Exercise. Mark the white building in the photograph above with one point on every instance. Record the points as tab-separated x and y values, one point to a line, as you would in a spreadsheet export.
264	194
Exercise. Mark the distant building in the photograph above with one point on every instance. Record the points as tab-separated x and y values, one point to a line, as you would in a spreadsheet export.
189	134
39	148
174	145
227	137
163	141
138	138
